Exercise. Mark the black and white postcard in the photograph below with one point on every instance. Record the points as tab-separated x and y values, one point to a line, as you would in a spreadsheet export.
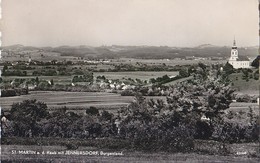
129	81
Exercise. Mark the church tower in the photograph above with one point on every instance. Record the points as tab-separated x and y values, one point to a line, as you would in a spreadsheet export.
234	52
238	62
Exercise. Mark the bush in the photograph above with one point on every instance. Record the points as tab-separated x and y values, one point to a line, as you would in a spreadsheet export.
256	75
128	92
212	147
13	92
176	139
235	133
71	146
106	116
8	93
245	98
92	111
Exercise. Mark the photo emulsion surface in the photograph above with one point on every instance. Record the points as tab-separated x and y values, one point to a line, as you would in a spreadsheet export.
129	81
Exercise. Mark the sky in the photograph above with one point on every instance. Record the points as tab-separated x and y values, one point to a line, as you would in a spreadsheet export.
177	23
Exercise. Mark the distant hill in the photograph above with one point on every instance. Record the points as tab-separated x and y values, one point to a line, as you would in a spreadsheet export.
144	52
170	52
205	46
19	47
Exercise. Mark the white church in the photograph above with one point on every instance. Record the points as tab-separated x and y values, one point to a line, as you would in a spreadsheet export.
238	61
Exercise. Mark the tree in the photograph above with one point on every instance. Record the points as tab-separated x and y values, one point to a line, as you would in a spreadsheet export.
24	73
228	68
5	68
52	82
101	77
152	80
53	62
199	103
150	130
183	73
255	63
106	116
78	72
26	115
92	111
37	80
202	65
256	75
245	74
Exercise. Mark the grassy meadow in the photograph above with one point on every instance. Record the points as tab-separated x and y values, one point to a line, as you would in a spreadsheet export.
168	62
242	86
128	156
70	99
66	80
74	100
56	79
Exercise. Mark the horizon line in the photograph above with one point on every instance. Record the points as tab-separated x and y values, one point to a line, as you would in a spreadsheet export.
104	45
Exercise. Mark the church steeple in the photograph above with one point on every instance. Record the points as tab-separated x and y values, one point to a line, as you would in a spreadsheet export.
234	44
235	60
234	52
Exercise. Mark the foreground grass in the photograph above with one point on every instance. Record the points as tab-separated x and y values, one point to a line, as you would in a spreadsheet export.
108	143
204	151
128	156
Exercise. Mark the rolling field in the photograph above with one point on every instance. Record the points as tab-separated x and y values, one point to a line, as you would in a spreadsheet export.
242	86
69	99
56	79
172	62
73	100
242	107
56	99
82	99
240	112
142	75
39	56
178	81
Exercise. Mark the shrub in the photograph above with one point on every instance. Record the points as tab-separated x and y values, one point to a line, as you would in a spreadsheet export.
128	92
13	92
106	116
71	146
8	93
235	133
245	98
92	111
176	139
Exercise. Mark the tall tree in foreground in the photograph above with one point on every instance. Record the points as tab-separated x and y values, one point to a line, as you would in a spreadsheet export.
26	115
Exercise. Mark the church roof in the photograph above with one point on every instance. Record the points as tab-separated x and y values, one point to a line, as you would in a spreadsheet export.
242	58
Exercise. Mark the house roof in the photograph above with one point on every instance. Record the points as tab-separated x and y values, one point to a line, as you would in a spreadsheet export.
242	58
